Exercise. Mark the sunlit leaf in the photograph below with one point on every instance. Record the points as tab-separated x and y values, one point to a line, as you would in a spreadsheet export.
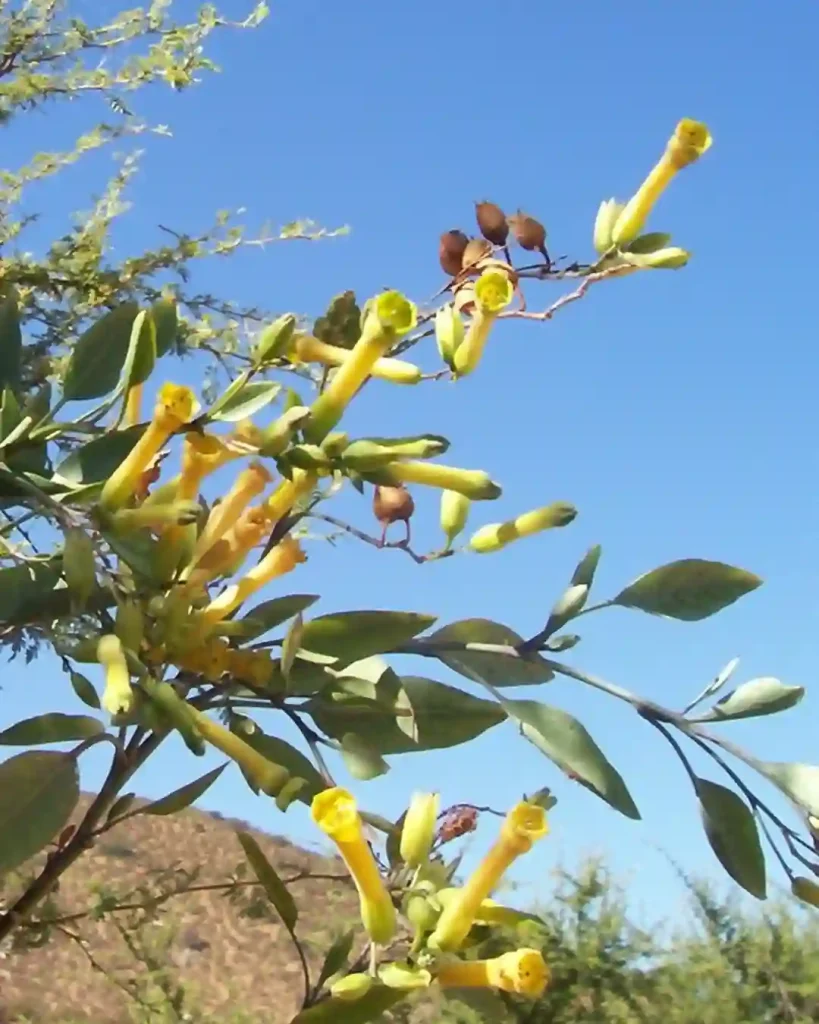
753	699
98	356
349	636
690	589
481	667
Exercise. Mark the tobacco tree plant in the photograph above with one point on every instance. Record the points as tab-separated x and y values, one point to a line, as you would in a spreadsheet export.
163	596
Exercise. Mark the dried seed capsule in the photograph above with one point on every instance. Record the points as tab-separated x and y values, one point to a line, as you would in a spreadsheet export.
492	222
451	250
529	233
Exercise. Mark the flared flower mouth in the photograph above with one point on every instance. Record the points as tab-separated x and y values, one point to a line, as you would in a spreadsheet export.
693	134
336	814
526	821
396	312
493	291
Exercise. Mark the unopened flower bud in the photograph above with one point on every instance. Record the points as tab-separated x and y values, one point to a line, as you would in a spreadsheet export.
79	565
670	258
418	832
352	987
604	223
275	338
454	514
449	332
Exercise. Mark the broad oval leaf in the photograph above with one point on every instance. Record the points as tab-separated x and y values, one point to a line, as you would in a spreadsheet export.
362	761
350	636
99	355
799	782
183	797
97	459
50	728
443	717
567	742
166	323
38	793
690	589
141	355
275	889
269	614
278	751
732	833
481	667
245	402
84	689
25	586
370	1007
11	338
757	697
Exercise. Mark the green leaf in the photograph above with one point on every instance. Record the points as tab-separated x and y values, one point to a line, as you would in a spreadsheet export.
444	717
137	550
732	833
583	575
567	742
25	586
799	782
141	355
38	793
120	806
11	338
183	797
715	685
757	697
370	1007
166	323
362	762
690	589
277	751
50	728
99	355
245	402
495	669
291	645
348	636
275	889
483	1001
649	242
97	459
337	956
269	614
84	689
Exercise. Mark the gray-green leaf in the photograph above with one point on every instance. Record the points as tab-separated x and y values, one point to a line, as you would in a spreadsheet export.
567	742
275	889
757	697
186	795
38	793
732	833
53	727
690	589
482	667
99	355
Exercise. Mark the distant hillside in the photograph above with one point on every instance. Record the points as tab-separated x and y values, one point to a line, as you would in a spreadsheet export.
228	958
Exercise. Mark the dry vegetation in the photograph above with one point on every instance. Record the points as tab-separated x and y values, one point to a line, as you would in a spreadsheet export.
220	953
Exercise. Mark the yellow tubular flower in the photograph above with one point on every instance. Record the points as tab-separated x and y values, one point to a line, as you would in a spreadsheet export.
418	832
249	484
157	517
389	318
524	824
288	493
472	483
308	349
201	455
495	536
336	814
522	972
175	406
270	778
493	293
281	559
691	139
117	696
133	404
226	556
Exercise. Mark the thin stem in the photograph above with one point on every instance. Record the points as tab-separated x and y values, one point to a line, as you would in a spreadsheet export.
312	740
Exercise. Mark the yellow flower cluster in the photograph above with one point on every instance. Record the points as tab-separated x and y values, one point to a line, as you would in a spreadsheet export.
445	925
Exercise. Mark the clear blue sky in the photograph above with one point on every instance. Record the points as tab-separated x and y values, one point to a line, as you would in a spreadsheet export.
676	410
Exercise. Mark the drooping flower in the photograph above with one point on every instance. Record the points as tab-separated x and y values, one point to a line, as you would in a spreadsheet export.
336	814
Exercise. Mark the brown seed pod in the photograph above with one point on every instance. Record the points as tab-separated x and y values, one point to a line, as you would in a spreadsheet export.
529	233
451	250
392	505
476	250
492	222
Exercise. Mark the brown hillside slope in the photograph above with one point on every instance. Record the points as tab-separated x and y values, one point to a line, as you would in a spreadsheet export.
230	953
